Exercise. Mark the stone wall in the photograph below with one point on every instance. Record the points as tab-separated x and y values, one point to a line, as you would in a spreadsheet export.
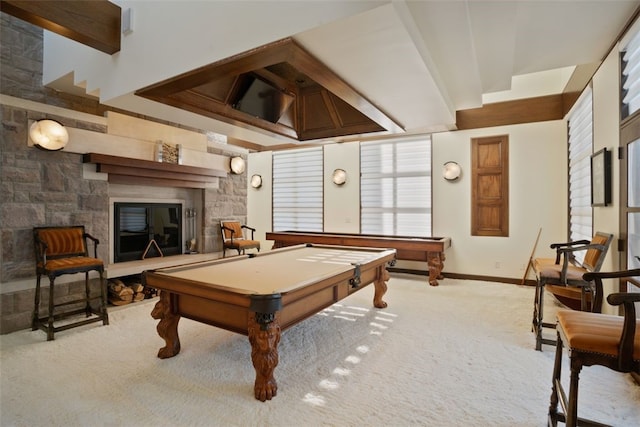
41	188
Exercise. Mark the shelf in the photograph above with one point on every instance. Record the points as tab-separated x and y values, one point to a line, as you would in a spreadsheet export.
124	170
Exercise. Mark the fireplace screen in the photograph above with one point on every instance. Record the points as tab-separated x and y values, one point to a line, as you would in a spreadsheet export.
147	230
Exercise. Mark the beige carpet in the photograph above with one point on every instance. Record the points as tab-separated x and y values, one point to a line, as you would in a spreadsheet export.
460	354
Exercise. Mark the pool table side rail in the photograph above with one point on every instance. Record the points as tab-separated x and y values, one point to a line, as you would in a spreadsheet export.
228	309
407	248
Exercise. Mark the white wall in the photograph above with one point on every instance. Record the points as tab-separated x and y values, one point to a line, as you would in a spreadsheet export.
537	199
342	206
259	212
537	182
606	134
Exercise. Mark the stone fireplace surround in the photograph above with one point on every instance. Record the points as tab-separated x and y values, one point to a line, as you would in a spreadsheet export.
52	188
55	188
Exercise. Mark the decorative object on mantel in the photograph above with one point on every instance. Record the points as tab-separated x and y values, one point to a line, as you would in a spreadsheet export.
339	176
190	245
168	153
451	171
237	165
48	134
256	181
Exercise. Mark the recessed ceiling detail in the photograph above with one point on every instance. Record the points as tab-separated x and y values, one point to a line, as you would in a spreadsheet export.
279	89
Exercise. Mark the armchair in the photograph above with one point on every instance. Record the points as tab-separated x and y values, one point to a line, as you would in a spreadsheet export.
233	237
594	339
566	278
59	251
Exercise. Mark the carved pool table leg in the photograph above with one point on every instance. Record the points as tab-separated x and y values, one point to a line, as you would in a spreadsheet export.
264	335
167	327
380	286
435	261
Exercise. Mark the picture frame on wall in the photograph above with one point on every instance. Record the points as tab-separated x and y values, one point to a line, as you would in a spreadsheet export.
601	178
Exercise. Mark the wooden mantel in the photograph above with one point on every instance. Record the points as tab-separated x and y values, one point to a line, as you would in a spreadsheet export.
123	170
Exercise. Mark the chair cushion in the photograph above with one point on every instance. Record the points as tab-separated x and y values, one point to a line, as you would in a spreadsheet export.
79	262
243	244
237	230
61	241
540	263
595	333
592	255
553	272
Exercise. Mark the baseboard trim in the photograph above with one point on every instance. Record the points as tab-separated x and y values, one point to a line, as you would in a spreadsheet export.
514	281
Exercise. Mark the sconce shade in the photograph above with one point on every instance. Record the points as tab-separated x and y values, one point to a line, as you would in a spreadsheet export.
48	134
237	165
451	171
339	176
256	181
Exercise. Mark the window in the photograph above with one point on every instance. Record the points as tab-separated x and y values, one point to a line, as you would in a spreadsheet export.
297	190
395	187
631	76
580	149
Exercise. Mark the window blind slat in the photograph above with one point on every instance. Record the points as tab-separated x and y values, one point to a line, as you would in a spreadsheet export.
395	187
580	149
631	76
297	190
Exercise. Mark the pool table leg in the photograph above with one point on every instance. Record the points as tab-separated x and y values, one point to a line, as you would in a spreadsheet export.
380	286
168	326
264	335
435	260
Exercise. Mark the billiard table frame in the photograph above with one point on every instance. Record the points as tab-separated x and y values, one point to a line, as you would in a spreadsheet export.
261	317
428	249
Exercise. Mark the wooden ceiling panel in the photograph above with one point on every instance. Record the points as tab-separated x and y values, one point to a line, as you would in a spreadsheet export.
94	23
291	94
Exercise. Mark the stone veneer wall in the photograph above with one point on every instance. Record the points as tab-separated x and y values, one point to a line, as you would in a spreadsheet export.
47	188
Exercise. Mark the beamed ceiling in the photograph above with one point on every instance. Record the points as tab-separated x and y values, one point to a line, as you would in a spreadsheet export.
311	101
336	71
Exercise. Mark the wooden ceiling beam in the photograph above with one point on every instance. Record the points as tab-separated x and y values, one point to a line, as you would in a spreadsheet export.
529	110
93	23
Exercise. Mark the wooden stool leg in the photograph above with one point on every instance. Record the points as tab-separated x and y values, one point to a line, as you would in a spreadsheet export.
51	307
36	306
572	407
103	300
538	315
556	387
87	293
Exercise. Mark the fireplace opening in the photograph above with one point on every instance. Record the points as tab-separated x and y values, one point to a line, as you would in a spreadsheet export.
146	230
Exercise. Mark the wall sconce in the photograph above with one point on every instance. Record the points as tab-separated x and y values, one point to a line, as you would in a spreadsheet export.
237	165
48	134
451	171
339	176
256	181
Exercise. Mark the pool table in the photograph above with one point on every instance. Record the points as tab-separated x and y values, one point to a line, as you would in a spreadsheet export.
260	295
429	249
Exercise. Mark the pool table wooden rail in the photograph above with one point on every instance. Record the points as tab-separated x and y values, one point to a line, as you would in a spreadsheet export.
427	249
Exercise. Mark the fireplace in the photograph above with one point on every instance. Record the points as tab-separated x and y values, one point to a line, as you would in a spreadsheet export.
146	230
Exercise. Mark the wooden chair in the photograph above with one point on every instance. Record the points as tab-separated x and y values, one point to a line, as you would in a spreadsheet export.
233	237
566	278
594	339
59	251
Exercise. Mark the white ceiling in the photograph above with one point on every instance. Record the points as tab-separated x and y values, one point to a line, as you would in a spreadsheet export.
420	61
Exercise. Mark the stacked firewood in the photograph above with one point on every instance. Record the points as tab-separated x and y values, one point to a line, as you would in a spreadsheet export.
121	293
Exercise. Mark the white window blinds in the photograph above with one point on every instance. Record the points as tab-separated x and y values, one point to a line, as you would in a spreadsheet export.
395	187
297	190
580	149
631	76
